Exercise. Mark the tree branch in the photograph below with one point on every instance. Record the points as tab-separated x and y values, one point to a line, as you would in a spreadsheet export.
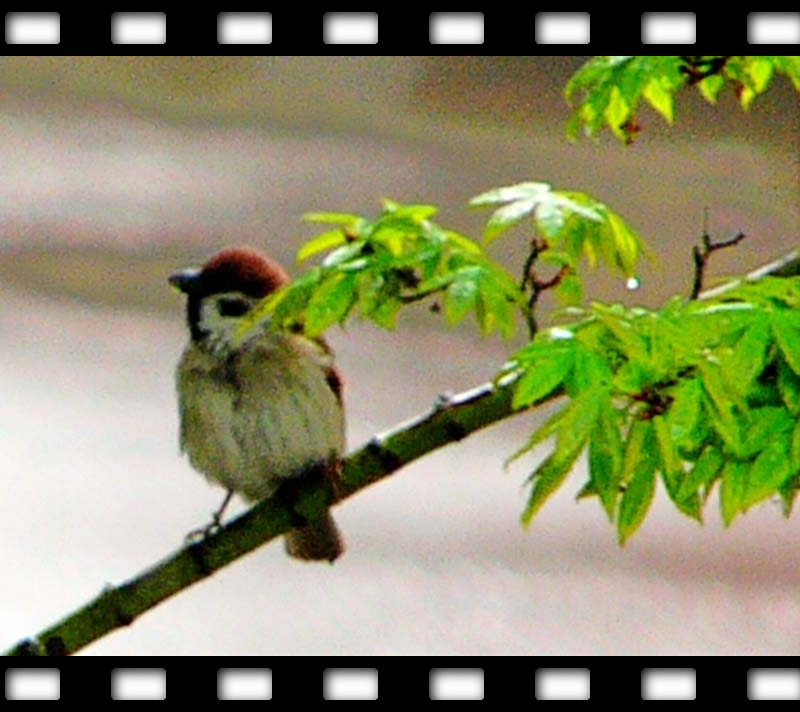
786	266
451	419
701	254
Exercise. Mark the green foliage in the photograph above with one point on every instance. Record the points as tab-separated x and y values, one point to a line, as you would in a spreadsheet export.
571	224
693	393
374	267
609	88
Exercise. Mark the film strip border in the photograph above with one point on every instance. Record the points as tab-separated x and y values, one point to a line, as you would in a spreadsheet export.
398	680
396	29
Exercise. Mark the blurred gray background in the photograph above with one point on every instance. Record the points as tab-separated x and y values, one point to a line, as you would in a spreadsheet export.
117	170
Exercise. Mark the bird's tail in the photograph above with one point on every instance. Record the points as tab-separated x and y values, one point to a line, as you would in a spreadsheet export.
319	540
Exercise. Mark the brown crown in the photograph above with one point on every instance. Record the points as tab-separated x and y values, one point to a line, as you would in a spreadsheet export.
242	269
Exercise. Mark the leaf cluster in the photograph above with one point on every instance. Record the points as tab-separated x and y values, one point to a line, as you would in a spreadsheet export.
571	227
373	267
609	89
693	394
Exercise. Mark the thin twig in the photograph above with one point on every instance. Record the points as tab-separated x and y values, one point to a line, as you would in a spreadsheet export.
537	285
701	254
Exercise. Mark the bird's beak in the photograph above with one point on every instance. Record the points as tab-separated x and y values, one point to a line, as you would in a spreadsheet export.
186	281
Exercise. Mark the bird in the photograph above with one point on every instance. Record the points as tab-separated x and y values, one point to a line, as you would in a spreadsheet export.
259	410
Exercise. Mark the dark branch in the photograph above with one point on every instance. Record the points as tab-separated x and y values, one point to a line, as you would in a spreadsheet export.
701	254
697	68
537	285
118	606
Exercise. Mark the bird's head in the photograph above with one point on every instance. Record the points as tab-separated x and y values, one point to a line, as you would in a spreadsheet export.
224	290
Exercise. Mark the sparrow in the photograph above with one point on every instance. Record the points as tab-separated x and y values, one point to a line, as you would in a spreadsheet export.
262	409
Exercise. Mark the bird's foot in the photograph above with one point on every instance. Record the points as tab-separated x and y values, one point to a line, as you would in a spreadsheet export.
198	535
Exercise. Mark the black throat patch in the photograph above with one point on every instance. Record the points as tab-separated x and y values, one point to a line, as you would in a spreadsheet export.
193	317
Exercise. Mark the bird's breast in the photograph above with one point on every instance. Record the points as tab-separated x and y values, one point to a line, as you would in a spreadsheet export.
263	414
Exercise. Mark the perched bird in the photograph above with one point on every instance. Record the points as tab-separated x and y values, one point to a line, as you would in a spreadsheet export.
260	409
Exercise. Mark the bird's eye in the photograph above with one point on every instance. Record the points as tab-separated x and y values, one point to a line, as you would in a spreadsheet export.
233	306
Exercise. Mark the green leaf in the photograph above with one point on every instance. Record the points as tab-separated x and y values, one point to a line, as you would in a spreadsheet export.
462	243
573	202
713	323
574	427
749	356
794	452
711	86
393	237
683	414
593	72
605	456
508	216
550	220
541	378
639	472
672	470
596	80
790	66
436	283
461	295
346	219
385	313
760	71
786	330
722	413
632	377
732	492
627	244
493	310
330	303
344	253
520	191
321	243
705	471
542	433
569	291
378	297
788	494
590	372
617	110
634	448
661	98
283	308
767	424
631	343
671	462
578	421
547	478
415	213
770	469
746	95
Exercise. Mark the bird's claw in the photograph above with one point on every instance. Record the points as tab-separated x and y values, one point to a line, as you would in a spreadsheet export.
197	536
